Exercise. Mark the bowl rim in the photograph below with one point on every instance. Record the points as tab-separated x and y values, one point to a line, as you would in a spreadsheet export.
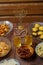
36	48
6	39
10	24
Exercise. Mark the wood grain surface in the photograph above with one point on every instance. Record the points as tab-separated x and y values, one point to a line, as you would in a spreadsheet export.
21	0
24	18
24	8
10	10
34	60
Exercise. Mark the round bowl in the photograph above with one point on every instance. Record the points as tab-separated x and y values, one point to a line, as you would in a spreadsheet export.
39	49
25	51
10	25
30	29
4	39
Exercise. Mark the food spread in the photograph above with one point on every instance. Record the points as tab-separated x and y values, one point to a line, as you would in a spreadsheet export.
4	48
25	51
4	28
9	62
39	49
37	30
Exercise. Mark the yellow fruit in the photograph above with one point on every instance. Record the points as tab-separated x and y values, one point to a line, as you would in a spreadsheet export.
40	32
34	34
35	29
37	25
41	37
41	28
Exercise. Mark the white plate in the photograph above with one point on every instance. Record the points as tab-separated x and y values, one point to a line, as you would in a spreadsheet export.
16	61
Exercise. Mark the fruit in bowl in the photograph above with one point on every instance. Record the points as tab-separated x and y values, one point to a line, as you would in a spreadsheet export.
37	30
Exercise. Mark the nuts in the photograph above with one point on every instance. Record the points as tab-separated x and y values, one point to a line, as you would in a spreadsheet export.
4	28
25	51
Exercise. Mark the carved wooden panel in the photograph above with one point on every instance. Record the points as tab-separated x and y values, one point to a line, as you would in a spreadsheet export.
24	8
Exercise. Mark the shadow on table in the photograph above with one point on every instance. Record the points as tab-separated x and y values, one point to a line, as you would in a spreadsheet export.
32	58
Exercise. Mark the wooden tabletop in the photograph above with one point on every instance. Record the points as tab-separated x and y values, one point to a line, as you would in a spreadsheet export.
34	60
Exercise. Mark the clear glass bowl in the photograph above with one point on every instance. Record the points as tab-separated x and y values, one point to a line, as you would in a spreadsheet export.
4	39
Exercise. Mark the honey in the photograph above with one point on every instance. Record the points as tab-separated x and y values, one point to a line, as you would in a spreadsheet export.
17	41
28	40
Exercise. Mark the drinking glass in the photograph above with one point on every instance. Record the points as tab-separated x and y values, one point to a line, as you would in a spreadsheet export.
17	41
28	38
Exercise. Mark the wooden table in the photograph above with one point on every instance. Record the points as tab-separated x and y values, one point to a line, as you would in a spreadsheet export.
34	60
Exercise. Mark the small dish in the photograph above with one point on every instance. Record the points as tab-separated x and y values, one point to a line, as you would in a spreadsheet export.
25	51
32	24
39	49
5	46
35	32
6	27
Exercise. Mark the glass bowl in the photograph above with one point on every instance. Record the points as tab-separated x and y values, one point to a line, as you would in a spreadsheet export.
6	41
39	49
10	26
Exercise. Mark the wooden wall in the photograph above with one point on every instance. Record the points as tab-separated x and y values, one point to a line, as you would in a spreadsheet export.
32	10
